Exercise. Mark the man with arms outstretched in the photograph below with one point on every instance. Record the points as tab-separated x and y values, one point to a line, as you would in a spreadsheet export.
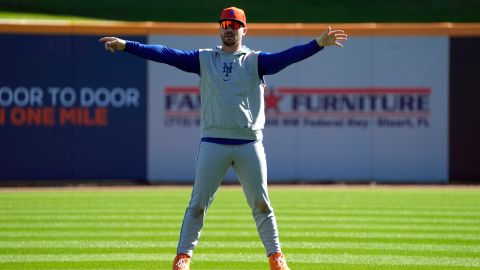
232	120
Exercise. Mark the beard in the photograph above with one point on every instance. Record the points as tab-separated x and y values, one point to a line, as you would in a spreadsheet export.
229	39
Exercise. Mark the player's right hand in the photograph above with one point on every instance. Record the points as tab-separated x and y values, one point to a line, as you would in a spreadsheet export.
113	43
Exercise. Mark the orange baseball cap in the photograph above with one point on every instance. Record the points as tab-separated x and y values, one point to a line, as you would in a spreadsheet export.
233	13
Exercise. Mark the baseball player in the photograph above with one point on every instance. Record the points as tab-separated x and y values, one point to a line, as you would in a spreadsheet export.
232	119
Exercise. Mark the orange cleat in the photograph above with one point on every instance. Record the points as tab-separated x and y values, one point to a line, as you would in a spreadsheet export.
277	262
182	262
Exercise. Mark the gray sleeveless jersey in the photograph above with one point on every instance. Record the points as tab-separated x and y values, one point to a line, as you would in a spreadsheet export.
232	94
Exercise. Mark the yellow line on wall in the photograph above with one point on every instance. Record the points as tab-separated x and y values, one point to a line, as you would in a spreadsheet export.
254	29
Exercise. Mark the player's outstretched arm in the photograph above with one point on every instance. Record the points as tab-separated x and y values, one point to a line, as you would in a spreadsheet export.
185	60
113	43
332	37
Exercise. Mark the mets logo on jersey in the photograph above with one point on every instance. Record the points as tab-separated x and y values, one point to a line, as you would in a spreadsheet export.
227	68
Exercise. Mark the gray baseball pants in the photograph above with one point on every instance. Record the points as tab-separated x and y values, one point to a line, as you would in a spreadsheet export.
249	162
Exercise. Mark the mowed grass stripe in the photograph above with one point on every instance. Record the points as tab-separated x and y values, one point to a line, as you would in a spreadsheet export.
240	234
256	239
225	230
293	218
239	244
314	259
173	208
45	214
221	251
387	216
297	226
235	248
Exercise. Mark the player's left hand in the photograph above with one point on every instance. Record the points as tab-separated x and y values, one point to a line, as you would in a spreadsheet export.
332	37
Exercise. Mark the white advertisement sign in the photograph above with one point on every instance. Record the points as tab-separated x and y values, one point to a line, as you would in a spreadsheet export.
375	110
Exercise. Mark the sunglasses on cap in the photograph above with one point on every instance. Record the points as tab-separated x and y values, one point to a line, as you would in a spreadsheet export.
230	23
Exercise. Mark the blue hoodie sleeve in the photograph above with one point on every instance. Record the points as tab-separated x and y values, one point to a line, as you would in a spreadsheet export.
185	60
271	63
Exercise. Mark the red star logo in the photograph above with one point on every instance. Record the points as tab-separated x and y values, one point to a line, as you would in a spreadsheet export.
271	101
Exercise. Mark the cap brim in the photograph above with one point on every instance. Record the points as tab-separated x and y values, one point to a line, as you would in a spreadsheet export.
228	19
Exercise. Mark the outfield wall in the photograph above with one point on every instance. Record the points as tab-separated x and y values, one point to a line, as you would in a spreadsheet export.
376	110
69	111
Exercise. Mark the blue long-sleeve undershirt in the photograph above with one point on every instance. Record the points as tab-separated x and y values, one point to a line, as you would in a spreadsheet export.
268	63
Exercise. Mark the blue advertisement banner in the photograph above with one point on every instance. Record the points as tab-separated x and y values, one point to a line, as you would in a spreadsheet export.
70	110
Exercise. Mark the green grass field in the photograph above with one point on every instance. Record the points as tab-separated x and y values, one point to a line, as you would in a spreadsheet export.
320	228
